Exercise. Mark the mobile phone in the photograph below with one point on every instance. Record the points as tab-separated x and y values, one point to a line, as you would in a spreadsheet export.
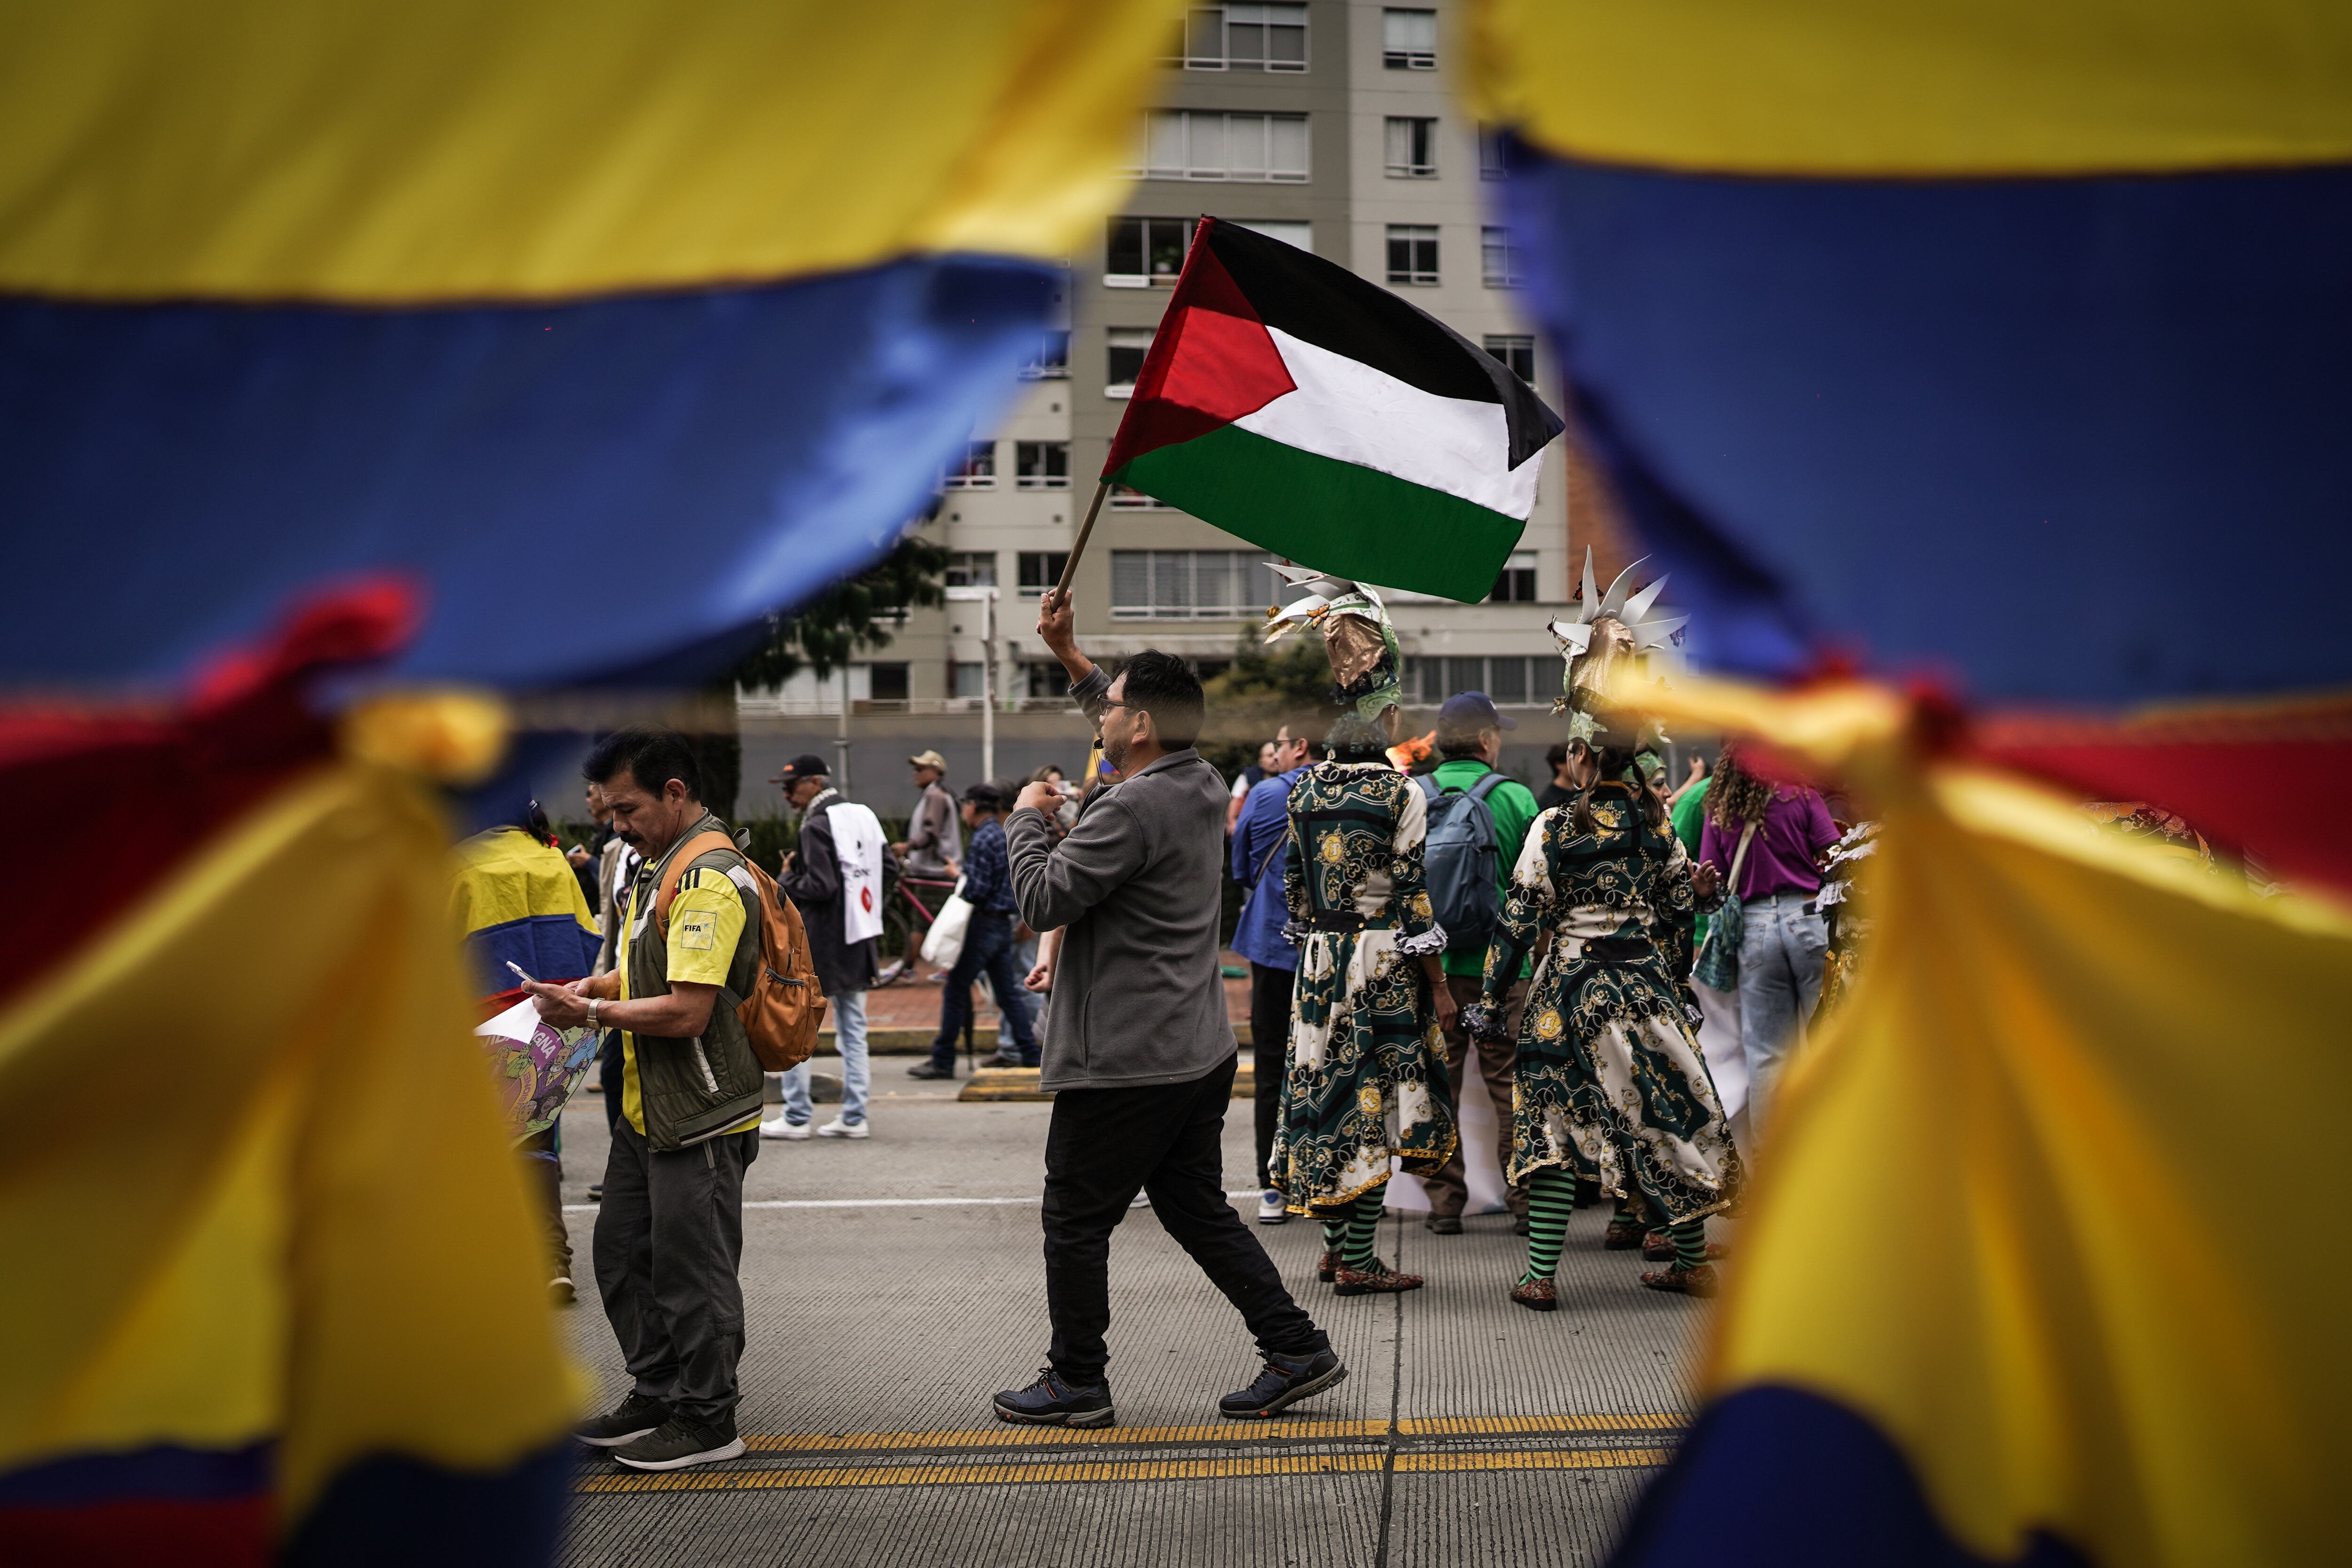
526	979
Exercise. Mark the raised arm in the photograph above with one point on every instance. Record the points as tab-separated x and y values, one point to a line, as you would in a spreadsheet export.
1055	883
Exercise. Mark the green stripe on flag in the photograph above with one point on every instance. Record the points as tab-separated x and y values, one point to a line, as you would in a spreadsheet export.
1340	517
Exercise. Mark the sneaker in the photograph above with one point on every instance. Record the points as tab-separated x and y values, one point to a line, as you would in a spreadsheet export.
1286	1381
560	1291
1271	1207
1443	1224
779	1127
1050	1402
837	1128
677	1443
1380	1279
931	1070
635	1416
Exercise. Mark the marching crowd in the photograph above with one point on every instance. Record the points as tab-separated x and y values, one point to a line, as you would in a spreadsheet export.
1401	927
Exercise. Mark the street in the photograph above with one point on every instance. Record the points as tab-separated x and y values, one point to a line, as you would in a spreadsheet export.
891	1285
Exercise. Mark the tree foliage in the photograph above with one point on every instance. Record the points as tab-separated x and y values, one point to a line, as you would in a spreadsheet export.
822	633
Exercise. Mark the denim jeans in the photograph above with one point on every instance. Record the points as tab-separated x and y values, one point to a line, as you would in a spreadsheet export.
987	944
1781	946
849	1028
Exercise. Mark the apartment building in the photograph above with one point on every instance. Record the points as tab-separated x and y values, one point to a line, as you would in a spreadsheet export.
1326	124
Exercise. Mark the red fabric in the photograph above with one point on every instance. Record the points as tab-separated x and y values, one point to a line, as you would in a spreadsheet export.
2254	778
1213	361
146	787
228	1533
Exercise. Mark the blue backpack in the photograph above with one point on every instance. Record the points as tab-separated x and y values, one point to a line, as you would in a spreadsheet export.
1463	861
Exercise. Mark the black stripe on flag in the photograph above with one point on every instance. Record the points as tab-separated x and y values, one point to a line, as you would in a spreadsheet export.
1323	303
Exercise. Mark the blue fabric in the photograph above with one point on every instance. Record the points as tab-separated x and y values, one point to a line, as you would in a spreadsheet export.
2066	440
1259	834
163	1471
548	947
988	870
394	1511
1770	1477
190	470
987	946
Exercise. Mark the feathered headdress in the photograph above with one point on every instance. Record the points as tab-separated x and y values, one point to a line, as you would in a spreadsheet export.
1607	629
1367	671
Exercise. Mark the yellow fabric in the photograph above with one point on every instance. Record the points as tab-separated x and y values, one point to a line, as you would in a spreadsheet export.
319	1234
1920	86
2068	1065
706	920
506	875
420	150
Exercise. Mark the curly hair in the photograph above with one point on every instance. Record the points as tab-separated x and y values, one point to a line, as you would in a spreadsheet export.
1737	797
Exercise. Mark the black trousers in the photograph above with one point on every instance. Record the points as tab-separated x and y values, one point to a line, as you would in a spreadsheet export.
1270	997
669	1240
608	1078
1103	1145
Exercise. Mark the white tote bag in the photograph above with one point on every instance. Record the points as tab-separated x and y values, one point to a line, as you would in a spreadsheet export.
943	943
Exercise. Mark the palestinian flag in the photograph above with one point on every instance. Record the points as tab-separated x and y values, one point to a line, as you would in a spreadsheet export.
1290	401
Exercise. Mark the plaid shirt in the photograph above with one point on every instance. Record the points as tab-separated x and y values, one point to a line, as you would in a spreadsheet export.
987	874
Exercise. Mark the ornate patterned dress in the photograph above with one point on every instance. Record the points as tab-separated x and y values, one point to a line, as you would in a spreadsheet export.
1611	1079
1367	1075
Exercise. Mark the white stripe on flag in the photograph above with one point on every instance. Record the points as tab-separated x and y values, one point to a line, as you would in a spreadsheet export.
1343	408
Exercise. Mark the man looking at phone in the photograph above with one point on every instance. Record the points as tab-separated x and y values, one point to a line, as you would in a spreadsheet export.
669	1234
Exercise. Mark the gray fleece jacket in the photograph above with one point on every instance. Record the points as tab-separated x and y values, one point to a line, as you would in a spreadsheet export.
1136	998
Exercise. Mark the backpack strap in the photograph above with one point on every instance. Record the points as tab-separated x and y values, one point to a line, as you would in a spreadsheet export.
680	861
1488	785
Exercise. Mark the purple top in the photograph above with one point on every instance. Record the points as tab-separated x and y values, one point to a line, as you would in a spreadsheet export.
1796	827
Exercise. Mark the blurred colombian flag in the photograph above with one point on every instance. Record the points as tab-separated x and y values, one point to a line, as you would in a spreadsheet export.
2007	345
400	313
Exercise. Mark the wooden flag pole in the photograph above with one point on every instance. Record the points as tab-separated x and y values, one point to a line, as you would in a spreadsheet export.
1078	546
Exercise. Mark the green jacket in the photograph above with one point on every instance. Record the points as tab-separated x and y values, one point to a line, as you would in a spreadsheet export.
693	1089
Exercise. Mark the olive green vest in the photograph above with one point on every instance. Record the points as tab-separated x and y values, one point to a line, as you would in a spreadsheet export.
691	1089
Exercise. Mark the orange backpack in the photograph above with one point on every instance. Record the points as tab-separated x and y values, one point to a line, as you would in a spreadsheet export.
786	1005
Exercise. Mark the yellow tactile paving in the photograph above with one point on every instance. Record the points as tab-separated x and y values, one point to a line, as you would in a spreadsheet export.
1009	1437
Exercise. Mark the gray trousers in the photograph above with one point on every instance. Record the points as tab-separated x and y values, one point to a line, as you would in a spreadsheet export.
669	1236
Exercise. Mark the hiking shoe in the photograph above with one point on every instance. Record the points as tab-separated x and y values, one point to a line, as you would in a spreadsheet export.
1271	1207
1537	1295
837	1128
1380	1279
635	1416
1443	1224
677	1443
785	1128
931	1071
1050	1402
1286	1381
1698	1281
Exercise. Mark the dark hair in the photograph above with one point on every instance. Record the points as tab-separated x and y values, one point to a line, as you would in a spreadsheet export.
986	796
1164	686
1458	737
1355	739
1616	765
651	757
1557	757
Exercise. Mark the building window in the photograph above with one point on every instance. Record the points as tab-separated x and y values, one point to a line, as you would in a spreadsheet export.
1411	147
1498	258
1517	351
1491	165
887	682
1041	465
1510	679
1409	40
978	469
966	679
1506	679
1128	500
1047	679
1191	585
1127	347
971	569
1040	570
1186	144
1052	360
1412	253
1515	584
1245	38
1146	250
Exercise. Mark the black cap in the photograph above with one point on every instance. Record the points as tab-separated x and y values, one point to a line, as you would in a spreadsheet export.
807	765
1474	708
